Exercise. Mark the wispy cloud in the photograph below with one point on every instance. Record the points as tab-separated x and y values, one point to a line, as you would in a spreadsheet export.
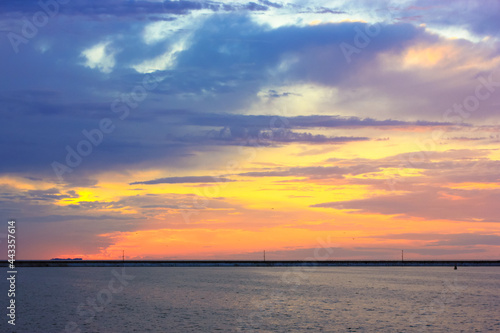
182	180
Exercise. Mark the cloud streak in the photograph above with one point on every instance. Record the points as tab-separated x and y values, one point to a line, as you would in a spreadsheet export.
184	180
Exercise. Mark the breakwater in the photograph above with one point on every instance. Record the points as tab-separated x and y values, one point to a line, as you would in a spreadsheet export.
245	263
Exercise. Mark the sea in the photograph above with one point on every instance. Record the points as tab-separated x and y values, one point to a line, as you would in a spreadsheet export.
254	299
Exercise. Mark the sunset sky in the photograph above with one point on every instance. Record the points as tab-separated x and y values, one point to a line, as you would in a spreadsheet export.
216	130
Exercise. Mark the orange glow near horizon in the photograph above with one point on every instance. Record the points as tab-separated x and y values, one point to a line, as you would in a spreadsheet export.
274	212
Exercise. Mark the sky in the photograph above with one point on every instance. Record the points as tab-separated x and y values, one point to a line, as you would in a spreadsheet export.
313	130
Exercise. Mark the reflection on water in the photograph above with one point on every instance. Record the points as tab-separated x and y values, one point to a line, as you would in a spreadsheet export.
246	299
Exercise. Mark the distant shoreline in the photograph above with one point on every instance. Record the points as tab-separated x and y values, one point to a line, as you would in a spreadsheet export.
247	263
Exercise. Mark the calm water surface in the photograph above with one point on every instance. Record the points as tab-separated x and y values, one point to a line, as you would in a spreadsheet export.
254	299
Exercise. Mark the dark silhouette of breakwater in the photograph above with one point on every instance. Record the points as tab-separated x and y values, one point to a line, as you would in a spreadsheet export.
246	263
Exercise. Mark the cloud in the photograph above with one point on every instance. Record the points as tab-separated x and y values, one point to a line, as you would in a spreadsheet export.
463	239
478	17
311	121
266	137
164	61
220	71
448	252
100	56
432	204
230	74
467	240
182	180
49	195
271	4
319	172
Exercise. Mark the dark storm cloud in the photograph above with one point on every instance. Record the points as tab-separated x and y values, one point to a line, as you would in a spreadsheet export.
293	137
316	48
111	9
268	137
312	121
229	56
